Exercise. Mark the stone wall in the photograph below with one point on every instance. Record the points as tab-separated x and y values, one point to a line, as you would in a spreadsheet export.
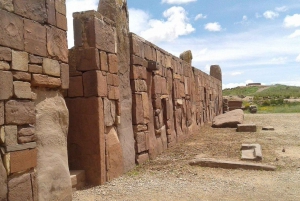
33	115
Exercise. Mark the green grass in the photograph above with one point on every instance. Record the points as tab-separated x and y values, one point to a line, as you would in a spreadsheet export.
245	91
285	108
280	91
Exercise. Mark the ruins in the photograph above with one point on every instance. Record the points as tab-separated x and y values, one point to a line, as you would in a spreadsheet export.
112	101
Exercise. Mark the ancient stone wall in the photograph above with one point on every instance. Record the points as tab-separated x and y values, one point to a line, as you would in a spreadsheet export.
33	115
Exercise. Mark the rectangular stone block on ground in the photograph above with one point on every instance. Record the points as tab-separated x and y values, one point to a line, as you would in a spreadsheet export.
19	112
6	85
251	152
246	128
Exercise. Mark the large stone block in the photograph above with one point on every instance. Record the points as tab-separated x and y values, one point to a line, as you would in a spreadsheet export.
5	54
21	76
26	134
94	84
51	128
45	81
22	90
137	109
138	61
9	134
142	141
142	158
103	61
137	46
19	112
1	113
4	65
3	182
11	27
114	162
65	76
113	93
113	63
146	106
35	59
57	43
216	72
20	188
6	85
60	6
113	79
51	67
37	69
61	21
246	128
139	86
23	160
87	59
50	4
34	9
138	72
35	38
19	61
7	5
76	87
109	112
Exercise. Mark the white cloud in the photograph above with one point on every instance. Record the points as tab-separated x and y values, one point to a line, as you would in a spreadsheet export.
281	9
279	60
200	16
177	1
76	6
175	25
138	19
233	85
298	58
213	26
295	34
270	14
292	21
236	73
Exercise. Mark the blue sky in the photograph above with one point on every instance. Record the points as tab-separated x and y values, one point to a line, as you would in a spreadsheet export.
252	40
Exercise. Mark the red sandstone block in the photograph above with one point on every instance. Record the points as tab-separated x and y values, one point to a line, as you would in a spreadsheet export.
60	6
35	38
11	37
61	21
45	81
32	68
135	60
113	93
5	54
139	85
137	46
21	76
1	113
95	84
150	53
65	77
146	109
22	90
142	158
76	87
35	59
157	85
51	67
113	63
138	72
23	160
50	5
87	59
4	65
19	112
33	9
19	61
137	109
6	85
103	61
113	79
142	141
20	188
57	43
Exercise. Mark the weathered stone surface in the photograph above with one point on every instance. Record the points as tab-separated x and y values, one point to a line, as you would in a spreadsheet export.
20	147
137	46
86	139
230	119
65	76
19	61
138	61
21	76
7	5
137	109
35	59
76	87
35	38
51	129
12	30
139	128
50	5
115	164
23	160
26	134
268	128
35	69
10	134
187	56
51	67
22	90
113	93
77	179
109	112
1	113
45	81
138	72
19	112
142	158
207	162
60	6
88	59
113	79
103	61
95	84
3	182
113	63
61	21
139	85
4	65
20	188
246	128
34	9
6	85
251	152
142	141
125	130
5	54
57	43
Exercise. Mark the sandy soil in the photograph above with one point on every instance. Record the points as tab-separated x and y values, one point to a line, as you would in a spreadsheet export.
169	177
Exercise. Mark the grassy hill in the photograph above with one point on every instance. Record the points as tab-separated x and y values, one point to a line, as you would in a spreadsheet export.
269	99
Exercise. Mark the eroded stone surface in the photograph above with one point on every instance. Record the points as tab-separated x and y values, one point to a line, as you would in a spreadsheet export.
6	85
3	182
19	112
230	119
20	188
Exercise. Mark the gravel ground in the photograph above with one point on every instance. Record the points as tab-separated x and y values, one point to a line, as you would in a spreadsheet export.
169	177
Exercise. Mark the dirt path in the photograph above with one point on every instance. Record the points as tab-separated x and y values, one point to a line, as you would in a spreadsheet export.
169	177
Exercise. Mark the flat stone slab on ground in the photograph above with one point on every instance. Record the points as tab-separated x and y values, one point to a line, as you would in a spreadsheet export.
251	152
77	179
268	128
229	119
246	128
214	163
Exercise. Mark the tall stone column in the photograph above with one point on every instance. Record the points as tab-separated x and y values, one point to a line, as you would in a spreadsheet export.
116	10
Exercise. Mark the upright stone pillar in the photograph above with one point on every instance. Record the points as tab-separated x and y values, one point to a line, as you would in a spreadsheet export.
116	10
